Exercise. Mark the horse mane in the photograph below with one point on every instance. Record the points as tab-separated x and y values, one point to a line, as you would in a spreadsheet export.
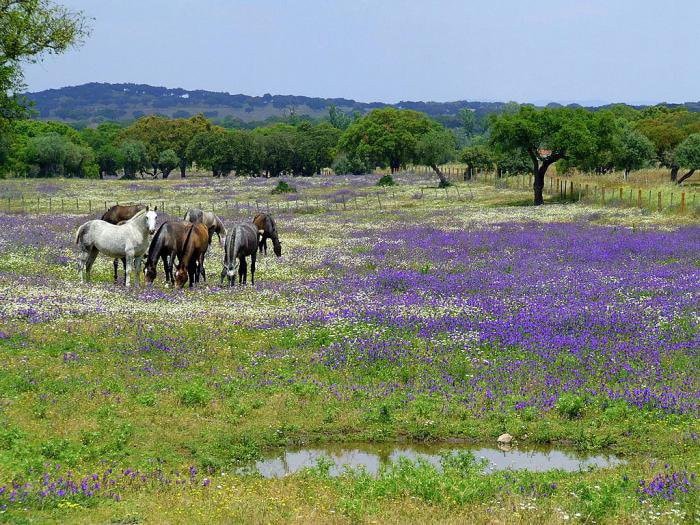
155	244
138	214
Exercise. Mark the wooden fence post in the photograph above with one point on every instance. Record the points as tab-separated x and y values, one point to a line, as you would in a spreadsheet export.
659	201
682	202
602	195
639	198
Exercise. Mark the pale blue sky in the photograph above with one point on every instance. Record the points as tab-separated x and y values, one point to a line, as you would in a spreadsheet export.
391	50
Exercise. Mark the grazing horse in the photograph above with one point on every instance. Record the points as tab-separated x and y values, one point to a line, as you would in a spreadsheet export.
118	214
268	230
210	220
241	242
128	240
191	258
168	240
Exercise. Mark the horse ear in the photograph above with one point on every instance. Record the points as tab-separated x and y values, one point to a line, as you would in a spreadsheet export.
155	209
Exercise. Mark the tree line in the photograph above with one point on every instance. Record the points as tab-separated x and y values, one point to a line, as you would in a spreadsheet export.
518	139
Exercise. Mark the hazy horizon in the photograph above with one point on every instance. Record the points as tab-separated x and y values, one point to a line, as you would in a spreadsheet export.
399	50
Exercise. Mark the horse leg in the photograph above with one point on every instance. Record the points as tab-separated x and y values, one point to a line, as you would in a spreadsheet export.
115	262
242	271
167	268
89	261
128	269
252	268
192	271
137	271
82	260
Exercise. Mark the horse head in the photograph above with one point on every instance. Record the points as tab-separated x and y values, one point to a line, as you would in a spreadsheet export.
149	272
151	218
181	277
277	246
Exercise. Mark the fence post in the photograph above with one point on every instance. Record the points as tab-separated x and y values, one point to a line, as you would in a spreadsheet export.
89	205
682	202
602	195
62	207
649	203
639	198
77	207
620	195
659	201
105	205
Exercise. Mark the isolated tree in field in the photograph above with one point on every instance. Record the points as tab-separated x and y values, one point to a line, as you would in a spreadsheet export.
476	157
687	155
632	150
545	136
135	157
29	31
433	148
388	137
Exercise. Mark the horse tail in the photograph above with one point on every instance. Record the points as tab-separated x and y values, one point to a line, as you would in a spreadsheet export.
80	233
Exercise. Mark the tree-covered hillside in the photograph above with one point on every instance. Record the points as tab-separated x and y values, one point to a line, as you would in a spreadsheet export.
95	102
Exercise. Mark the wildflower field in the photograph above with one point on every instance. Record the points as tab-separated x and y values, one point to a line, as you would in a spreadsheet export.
421	320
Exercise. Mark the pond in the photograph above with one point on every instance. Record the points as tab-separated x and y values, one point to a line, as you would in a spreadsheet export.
372	456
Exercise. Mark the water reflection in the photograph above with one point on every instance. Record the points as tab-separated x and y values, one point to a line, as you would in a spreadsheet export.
371	457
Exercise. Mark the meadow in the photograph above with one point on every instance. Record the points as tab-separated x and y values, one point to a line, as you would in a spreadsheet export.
399	315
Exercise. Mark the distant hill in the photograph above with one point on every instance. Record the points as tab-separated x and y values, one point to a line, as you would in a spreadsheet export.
96	102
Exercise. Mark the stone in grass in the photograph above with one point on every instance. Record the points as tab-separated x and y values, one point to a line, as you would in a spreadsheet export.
505	439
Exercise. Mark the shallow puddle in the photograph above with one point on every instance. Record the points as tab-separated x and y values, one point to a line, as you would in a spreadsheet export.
371	457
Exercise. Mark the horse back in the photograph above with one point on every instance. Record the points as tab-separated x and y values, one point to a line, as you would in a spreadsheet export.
119	213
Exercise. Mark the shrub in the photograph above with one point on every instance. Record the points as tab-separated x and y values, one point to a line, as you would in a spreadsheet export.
194	394
386	180
283	187
570	406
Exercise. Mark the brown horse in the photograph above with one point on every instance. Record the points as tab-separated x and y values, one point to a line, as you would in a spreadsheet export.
267	229
191	259
168	241
119	214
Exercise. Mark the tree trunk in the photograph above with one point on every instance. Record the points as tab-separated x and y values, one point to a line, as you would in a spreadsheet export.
627	174
443	180
183	167
689	174
674	173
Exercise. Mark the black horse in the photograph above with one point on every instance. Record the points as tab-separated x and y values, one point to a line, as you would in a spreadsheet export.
168	241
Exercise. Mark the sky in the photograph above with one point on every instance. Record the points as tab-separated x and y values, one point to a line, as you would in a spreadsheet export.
586	51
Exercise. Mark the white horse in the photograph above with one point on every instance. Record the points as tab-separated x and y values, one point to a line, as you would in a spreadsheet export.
210	220
129	240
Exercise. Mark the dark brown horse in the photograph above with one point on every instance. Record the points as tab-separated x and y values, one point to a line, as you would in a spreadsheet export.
191	258
119	214
267	229
168	241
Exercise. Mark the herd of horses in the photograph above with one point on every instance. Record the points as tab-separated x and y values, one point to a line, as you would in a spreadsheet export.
128	233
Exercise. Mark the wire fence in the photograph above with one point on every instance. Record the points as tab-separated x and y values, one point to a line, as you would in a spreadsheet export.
563	189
